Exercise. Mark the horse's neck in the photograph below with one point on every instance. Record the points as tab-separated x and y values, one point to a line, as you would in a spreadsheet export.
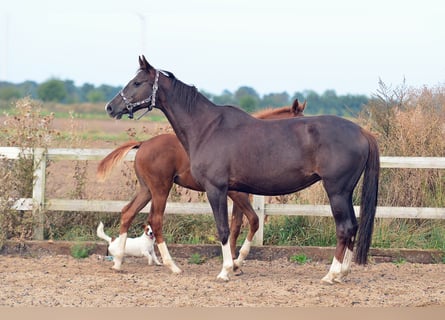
194	126
190	125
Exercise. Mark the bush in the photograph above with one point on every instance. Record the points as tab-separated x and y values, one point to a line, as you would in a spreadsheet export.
409	122
26	129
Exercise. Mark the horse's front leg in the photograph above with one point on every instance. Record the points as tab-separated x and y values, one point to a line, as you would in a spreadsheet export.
155	220
218	201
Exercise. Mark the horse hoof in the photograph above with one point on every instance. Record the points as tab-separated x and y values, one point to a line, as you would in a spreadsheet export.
223	277
226	279
327	279
175	270
331	280
239	273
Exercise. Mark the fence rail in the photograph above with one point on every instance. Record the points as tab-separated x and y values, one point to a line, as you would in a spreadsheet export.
38	204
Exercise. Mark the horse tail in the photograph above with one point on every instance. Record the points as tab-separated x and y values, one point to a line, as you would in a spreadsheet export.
368	203
113	158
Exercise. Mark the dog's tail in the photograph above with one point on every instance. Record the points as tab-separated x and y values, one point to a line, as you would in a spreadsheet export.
101	234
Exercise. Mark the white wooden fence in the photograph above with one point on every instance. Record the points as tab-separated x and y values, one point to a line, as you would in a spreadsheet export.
38	204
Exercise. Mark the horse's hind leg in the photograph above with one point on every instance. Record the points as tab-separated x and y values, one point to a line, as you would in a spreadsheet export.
155	220
346	230
242	205
127	215
235	227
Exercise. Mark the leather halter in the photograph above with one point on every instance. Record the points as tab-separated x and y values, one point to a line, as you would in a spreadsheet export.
152	98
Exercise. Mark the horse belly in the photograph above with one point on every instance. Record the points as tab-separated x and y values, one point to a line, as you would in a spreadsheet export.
275	184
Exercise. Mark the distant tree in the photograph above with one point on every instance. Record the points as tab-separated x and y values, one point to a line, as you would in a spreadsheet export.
9	93
275	100
29	88
246	91
52	90
84	90
248	103
96	95
72	92
247	98
109	91
226	98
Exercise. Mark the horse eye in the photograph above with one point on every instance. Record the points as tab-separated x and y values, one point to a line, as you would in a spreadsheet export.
137	83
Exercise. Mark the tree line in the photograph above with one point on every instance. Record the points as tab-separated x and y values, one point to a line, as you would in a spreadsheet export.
66	92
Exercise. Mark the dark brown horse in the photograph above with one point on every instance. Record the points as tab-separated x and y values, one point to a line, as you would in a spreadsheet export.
162	161
231	150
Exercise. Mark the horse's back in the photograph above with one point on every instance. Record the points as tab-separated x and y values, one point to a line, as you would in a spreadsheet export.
163	153
283	156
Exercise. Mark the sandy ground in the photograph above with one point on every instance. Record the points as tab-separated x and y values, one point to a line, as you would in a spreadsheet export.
62	280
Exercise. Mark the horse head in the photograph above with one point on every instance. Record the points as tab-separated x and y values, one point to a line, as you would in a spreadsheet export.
138	93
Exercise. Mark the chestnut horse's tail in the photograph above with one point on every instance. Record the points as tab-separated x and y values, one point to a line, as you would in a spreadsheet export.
368	203
113	158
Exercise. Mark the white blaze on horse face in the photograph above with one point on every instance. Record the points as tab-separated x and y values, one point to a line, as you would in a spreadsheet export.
227	262
167	259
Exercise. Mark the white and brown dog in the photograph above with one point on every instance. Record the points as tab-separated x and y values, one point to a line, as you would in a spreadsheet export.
142	246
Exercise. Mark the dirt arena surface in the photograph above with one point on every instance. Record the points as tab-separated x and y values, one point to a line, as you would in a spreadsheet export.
61	280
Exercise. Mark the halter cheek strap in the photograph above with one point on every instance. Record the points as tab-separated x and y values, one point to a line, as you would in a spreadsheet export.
152	99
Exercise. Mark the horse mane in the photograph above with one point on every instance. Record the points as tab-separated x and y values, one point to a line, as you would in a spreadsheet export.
264	113
187	94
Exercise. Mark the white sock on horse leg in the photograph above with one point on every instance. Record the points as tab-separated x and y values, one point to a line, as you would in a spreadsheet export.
227	262
243	252
334	271
347	260
167	259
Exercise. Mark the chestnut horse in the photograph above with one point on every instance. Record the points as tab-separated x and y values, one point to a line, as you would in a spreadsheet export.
162	161
231	150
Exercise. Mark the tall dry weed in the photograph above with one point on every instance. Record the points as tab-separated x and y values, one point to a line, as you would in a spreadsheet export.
409	122
26	129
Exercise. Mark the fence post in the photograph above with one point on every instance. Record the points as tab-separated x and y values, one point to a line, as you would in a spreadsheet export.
38	192
258	206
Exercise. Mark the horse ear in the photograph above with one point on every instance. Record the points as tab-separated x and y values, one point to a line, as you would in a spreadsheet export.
297	107
143	63
303	106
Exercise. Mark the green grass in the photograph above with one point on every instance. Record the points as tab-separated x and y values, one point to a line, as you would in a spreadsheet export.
285	231
299	231
196	258
80	251
300	258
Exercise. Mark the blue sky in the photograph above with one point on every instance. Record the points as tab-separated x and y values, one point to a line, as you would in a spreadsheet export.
271	46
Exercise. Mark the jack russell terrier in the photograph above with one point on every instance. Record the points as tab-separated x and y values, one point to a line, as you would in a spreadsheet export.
142	246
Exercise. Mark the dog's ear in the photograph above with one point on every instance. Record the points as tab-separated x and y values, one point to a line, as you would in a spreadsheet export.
145	227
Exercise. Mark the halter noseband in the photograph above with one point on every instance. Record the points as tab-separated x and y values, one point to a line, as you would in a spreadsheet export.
152	98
